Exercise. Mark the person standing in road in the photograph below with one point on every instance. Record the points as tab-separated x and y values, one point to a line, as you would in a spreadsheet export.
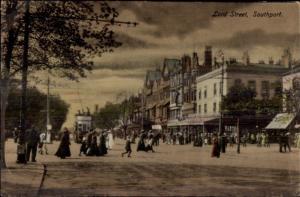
64	147
127	147
42	144
216	149
32	139
102	145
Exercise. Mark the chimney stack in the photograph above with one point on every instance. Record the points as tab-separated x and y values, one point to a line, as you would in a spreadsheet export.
208	56
286	59
246	58
195	60
271	61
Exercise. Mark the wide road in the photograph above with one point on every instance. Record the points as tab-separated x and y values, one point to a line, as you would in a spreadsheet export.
173	170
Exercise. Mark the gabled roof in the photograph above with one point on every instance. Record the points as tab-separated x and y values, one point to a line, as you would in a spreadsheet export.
151	76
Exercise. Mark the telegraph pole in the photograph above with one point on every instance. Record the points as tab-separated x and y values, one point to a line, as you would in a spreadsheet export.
21	154
142	109
221	92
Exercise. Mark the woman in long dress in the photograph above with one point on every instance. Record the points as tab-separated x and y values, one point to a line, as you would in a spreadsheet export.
110	140
102	145
64	147
216	148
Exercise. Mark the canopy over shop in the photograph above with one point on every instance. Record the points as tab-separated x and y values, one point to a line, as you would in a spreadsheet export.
283	122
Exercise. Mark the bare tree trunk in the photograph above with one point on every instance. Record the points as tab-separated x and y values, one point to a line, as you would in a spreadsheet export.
3	100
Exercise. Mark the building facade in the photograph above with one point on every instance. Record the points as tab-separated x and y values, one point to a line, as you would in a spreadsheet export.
264	79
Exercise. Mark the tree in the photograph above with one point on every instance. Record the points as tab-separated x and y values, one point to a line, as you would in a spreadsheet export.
241	100
36	109
64	36
292	97
108	116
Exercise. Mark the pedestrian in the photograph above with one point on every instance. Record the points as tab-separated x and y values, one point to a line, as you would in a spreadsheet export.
286	142
216	148
32	139
64	146
174	139
110	140
223	143
127	147
83	147
102	145
267	140
150	144
93	150
16	134
141	143
263	140
244	140
42	144
252	137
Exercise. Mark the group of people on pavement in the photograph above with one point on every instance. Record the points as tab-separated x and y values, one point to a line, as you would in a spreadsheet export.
28	144
147	140
96	144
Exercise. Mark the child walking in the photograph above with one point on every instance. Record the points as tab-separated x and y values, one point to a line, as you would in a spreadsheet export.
127	147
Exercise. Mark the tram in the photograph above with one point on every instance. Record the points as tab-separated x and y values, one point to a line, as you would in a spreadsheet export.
83	124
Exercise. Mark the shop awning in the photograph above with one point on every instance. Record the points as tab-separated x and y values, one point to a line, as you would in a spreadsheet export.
281	121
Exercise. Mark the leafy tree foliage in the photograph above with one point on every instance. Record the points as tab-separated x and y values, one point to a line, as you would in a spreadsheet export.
108	116
240	100
64	35
36	109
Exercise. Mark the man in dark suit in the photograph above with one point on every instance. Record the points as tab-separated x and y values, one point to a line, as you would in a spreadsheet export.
32	139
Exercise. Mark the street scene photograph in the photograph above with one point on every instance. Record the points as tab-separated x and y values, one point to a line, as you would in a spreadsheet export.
150	98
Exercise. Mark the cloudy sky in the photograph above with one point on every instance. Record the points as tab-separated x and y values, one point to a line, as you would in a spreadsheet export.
171	29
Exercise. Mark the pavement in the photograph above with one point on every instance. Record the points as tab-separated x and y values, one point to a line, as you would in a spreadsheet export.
181	170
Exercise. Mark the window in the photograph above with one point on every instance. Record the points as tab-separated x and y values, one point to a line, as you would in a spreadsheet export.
215	89
252	85
199	109
205	93
215	107
205	108
265	89
199	96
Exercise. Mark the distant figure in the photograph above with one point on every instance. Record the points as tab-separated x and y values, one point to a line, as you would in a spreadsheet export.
32	139
223	143
127	147
16	134
141	144
244	140
93	149
42	144
110	140
216	148
286	142
64	147
102	145
83	147
150	144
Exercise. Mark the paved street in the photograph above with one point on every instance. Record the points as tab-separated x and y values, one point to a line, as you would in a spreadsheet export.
171	170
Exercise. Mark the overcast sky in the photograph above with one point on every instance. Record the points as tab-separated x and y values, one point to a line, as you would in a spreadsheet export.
171	29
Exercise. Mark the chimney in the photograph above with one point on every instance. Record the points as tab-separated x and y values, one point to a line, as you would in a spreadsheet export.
96	108
246	58
271	61
286	59
195	60
186	63
208	56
